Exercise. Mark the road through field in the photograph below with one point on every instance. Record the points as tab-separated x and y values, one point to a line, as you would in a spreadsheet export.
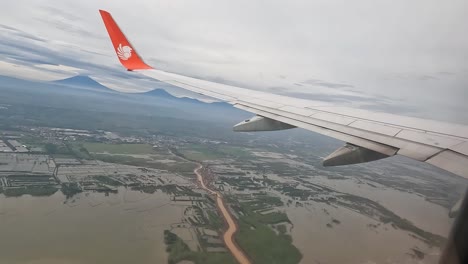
232	227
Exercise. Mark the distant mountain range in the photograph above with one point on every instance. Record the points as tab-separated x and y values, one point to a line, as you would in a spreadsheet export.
161	93
83	81
86	82
91	93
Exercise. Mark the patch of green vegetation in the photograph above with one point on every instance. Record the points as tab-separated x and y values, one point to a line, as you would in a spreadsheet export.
38	178
336	221
199	156
122	159
236	180
169	189
32	141
70	189
259	240
281	229
118	148
272	218
262	202
296	193
31	190
263	245
368	207
201	152
53	149
179	251
172	189
79	151
145	188
50	148
215	221
184	168
108	180
234	151
63	156
284	168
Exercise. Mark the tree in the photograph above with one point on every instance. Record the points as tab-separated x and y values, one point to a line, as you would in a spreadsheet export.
51	148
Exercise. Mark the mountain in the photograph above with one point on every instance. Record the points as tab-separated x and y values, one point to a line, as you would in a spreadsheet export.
161	93
92	95
83	81
196	109
86	82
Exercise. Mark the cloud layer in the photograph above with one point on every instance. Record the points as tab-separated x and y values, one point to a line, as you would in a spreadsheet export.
395	52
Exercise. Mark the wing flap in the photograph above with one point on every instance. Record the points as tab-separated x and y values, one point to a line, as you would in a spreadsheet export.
461	148
428	138
451	161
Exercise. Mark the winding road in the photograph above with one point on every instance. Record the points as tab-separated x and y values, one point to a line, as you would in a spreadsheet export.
232	227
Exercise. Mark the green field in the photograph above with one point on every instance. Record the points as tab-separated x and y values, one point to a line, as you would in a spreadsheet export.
261	202
179	251
31	190
184	168
211	152
32	141
261	243
118	148
78	150
234	151
108	180
264	246
200	152
216	222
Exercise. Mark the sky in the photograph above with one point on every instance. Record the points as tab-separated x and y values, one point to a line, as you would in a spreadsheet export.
401	56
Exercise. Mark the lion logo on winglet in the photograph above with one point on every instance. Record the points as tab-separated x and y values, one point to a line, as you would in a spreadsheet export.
124	52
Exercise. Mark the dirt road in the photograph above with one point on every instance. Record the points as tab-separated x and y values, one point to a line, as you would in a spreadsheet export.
232	228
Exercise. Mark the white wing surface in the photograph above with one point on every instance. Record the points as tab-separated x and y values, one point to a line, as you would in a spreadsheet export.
368	135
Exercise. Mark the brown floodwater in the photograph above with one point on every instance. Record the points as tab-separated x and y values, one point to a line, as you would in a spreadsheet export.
353	240
126	227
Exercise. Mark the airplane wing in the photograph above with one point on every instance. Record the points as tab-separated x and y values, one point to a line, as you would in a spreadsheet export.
368	135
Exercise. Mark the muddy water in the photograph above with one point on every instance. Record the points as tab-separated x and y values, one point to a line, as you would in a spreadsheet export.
424	214
352	240
89	228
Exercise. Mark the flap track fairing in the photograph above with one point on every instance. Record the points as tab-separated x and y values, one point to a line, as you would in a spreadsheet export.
351	154
260	123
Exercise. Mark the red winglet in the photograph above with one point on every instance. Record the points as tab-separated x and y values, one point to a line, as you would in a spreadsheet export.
125	52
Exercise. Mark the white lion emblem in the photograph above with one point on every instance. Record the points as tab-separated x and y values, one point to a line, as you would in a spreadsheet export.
124	52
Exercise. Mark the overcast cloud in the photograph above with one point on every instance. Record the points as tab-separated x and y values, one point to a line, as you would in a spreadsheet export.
405	53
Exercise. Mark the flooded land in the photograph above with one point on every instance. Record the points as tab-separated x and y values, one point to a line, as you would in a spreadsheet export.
142	203
126	227
93	187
